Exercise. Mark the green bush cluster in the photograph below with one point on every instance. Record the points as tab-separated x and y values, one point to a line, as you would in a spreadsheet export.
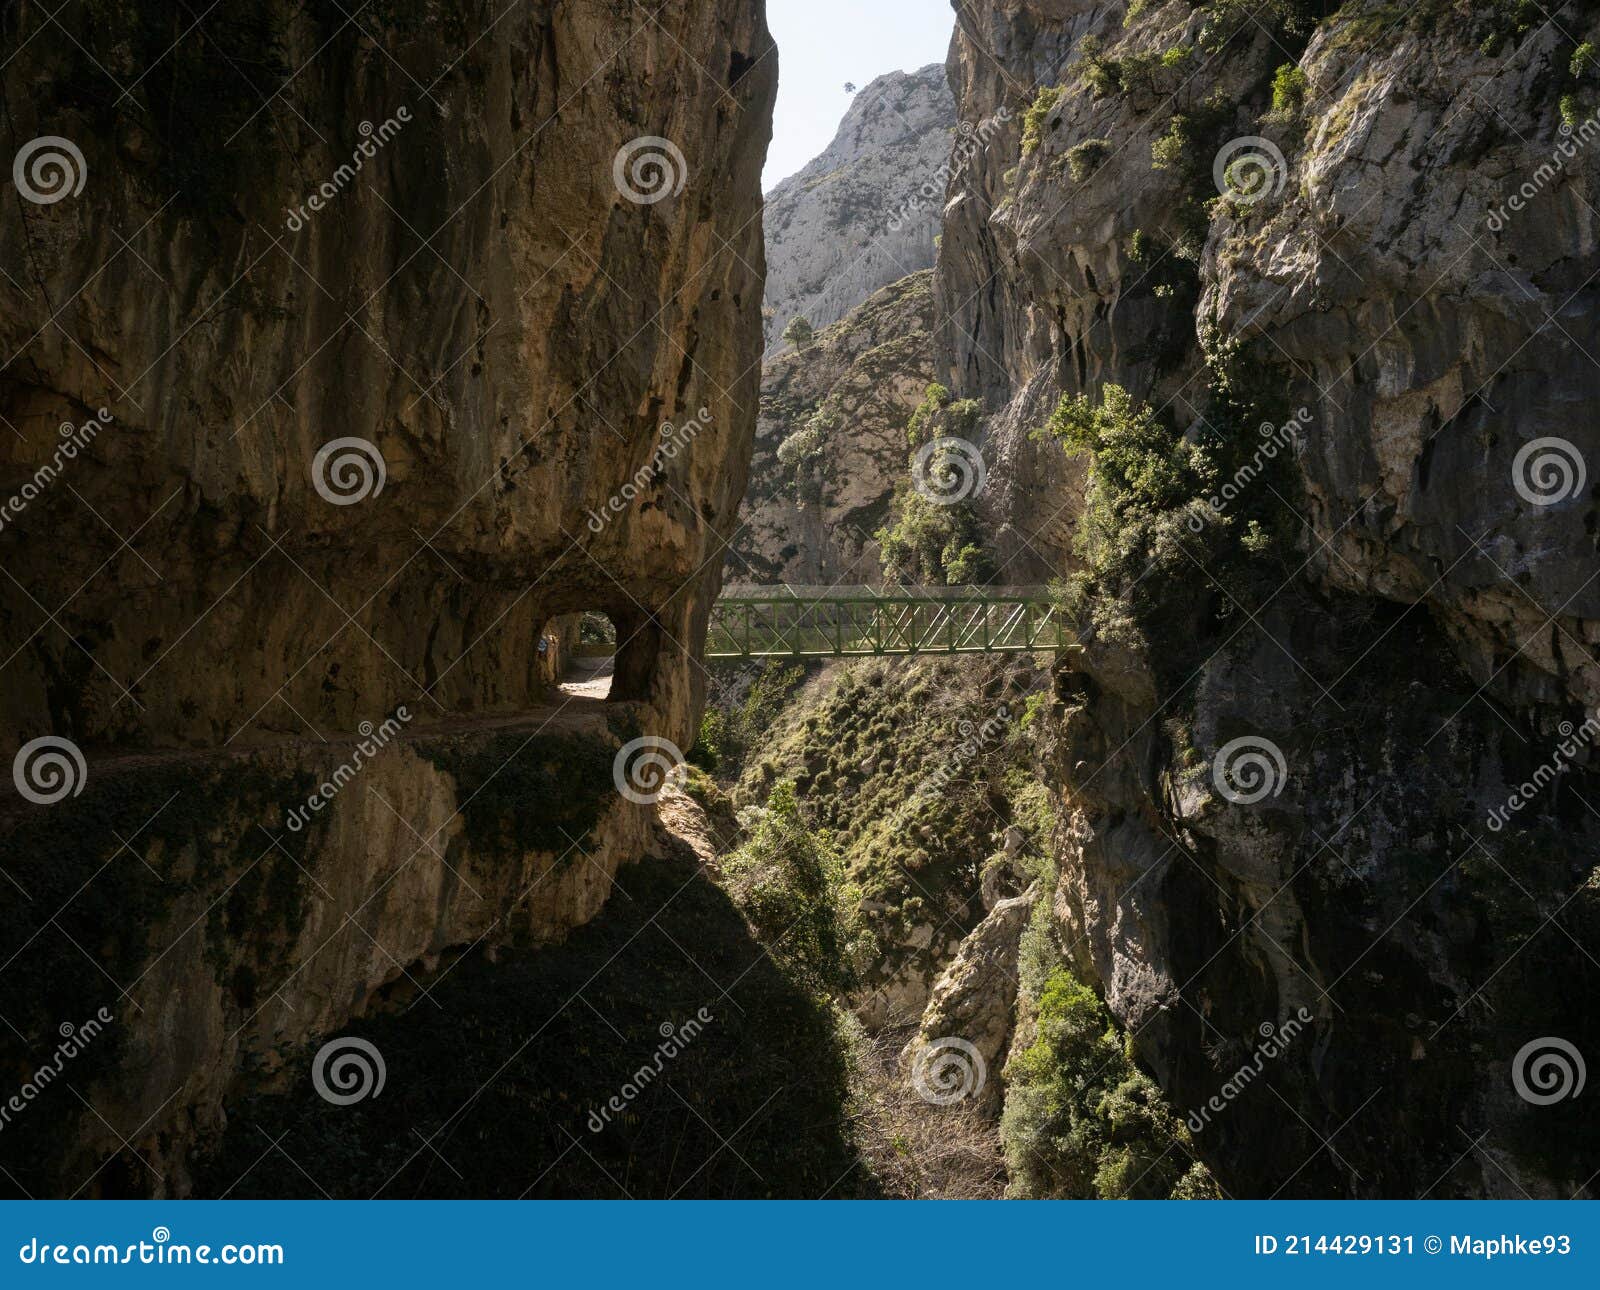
1102	75
1033	118
1085	158
932	545
1507	21
1289	89
790	882
927	543
735	722
803	454
934	400
863	752
1580	68
1159	562
799	333
1187	148
1082	1121
1289	22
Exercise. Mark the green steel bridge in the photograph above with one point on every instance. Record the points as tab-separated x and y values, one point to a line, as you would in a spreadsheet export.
828	622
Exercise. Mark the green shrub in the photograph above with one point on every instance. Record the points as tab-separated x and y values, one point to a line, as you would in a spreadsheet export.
790	883
803	455
1583	58
1081	1120
1140	466
1136	73
934	400
1103	76
932	545
1289	89
800	447
961	417
1033	119
736	718
1161	565
1225	19
1132	536
1084	159
1172	149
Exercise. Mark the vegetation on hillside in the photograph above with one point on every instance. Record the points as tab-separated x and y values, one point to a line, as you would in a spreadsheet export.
1178	523
1082	1121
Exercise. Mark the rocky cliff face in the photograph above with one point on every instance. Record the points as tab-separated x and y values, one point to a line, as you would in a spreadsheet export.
341	357
831	443
1382	217
865	213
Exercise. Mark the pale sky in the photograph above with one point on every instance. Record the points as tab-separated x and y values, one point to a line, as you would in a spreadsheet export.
824	43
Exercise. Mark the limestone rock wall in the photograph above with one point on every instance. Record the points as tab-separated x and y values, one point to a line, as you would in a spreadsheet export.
478	300
1415	273
415	333
844	401
865	212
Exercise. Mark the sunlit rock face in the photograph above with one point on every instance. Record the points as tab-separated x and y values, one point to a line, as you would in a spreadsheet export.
1414	273
465	253
842	405
865	212
385	342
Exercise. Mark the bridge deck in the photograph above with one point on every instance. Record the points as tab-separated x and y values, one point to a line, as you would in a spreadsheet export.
844	622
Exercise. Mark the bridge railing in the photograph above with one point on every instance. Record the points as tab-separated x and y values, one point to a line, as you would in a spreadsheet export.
803	622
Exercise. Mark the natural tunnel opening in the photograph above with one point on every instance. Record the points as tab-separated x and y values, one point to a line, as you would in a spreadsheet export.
607	654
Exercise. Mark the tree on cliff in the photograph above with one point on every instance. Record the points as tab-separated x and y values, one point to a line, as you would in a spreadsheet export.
799	332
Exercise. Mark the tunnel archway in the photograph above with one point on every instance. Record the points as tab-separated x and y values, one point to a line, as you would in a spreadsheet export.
607	653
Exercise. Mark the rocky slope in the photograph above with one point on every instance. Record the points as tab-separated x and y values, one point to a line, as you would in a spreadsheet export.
1384	217
831	443
364	385
865	212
